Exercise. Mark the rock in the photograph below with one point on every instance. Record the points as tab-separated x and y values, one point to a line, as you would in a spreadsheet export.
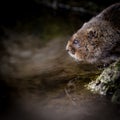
108	83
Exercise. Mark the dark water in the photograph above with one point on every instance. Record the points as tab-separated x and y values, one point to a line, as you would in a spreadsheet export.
56	104
36	70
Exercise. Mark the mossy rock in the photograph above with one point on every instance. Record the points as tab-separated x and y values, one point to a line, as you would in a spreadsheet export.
108	82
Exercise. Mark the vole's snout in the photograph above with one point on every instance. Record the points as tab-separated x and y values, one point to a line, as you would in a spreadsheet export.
67	49
70	49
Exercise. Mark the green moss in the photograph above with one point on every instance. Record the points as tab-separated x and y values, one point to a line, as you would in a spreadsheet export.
118	65
108	81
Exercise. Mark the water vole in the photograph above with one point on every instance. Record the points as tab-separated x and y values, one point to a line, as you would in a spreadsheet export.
98	40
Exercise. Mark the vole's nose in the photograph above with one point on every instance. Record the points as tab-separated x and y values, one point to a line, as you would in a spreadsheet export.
70	49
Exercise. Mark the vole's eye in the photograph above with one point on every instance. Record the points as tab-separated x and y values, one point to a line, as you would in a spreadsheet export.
75	41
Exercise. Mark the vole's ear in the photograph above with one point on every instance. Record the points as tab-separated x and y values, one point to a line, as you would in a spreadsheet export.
111	14
91	33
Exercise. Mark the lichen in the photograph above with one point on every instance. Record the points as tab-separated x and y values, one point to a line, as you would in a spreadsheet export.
108	83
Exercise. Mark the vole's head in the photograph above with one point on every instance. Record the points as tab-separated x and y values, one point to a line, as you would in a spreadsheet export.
84	44
96	39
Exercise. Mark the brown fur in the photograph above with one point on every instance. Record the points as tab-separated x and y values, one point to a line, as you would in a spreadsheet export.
98	40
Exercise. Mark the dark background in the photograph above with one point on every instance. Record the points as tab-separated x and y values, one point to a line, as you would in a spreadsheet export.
14	10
